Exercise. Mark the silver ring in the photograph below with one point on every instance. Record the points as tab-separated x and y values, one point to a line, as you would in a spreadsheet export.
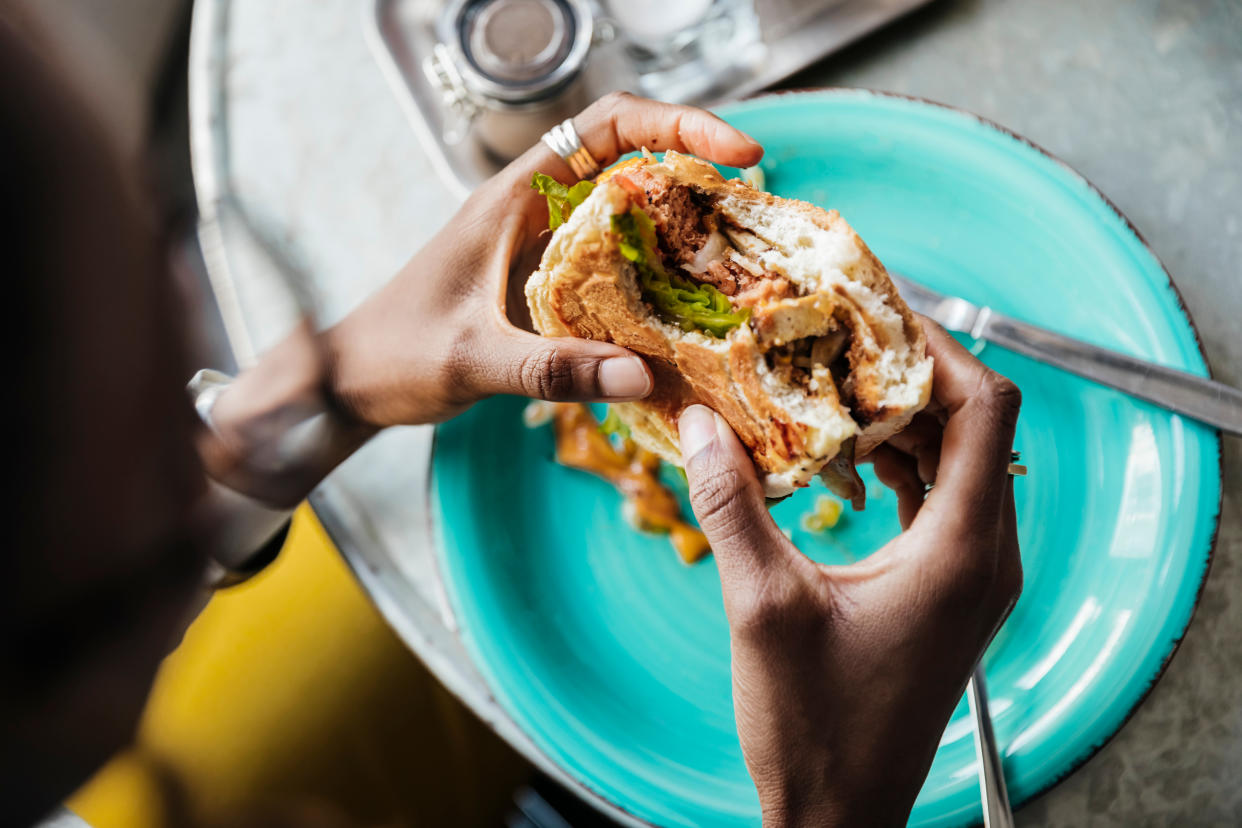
1014	468
564	141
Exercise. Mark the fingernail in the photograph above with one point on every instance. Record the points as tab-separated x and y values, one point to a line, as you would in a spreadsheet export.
698	429
624	378
750	140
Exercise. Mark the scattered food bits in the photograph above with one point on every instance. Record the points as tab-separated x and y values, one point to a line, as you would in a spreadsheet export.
825	514
754	177
537	413
581	443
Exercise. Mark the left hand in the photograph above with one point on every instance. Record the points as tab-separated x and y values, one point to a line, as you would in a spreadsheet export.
845	676
448	330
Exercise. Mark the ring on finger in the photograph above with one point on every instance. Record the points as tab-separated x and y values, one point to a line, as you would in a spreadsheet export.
564	141
1014	468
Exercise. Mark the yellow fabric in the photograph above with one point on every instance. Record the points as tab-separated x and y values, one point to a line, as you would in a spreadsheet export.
291	689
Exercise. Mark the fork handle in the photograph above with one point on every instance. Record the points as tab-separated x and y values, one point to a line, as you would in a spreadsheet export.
996	810
1196	397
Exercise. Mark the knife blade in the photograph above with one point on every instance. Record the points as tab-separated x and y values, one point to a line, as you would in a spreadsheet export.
1199	398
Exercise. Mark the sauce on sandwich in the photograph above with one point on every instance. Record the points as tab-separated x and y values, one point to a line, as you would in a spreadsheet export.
580	444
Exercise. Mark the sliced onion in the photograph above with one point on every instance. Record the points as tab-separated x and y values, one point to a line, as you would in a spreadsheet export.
712	251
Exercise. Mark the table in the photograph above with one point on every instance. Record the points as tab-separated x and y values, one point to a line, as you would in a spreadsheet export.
302	156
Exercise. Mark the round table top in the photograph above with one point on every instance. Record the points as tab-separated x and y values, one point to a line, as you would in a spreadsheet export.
297	129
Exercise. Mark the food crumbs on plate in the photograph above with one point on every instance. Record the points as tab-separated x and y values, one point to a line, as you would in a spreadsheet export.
581	443
754	177
537	413
612	424
823	515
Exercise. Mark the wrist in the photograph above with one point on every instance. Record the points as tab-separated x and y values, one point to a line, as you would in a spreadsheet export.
835	811
366	366
275	432
347	376
835	798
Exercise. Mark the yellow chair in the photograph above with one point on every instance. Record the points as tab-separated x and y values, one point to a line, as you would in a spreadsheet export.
290	694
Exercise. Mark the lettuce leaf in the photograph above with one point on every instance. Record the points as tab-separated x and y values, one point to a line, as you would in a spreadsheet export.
676	299
561	199
613	424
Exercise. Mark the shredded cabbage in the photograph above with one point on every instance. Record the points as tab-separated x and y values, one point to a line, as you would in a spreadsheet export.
676	299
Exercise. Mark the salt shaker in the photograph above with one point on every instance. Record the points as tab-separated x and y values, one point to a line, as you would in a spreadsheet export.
510	69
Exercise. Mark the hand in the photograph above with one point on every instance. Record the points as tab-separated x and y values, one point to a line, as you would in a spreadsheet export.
447	330
442	334
845	676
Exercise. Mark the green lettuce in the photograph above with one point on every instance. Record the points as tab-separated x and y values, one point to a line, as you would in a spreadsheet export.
613	424
561	199
676	299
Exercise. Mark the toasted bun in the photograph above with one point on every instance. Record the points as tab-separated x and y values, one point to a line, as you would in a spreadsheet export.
585	288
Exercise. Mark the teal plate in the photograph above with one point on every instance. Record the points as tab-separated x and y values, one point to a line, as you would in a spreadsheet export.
613	656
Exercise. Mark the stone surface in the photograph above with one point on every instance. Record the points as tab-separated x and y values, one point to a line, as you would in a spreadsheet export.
1144	98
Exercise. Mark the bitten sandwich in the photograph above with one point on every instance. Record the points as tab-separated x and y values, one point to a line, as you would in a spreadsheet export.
770	311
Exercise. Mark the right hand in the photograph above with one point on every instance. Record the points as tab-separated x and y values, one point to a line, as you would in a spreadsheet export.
448	330
845	676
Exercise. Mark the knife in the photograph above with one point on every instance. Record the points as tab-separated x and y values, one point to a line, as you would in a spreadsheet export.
1199	398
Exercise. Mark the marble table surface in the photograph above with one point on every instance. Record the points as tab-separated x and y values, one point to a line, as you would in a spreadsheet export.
298	132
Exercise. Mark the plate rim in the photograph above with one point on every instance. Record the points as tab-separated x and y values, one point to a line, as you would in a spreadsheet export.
1209	558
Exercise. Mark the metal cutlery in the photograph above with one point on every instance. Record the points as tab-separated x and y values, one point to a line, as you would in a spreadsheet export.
996	810
1199	398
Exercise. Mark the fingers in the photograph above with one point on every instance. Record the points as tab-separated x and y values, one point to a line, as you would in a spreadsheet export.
982	408
898	471
1009	522
559	369
620	122
921	441
1010	564
728	500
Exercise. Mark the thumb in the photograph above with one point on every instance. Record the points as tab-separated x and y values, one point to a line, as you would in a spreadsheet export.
727	499
564	369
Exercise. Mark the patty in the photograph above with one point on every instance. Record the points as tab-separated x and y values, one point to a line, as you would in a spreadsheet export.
690	237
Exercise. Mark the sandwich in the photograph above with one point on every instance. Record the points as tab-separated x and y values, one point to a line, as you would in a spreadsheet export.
771	311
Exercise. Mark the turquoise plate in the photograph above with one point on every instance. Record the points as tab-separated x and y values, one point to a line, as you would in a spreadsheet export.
614	657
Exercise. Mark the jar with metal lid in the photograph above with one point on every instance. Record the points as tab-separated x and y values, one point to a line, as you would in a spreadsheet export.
510	69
